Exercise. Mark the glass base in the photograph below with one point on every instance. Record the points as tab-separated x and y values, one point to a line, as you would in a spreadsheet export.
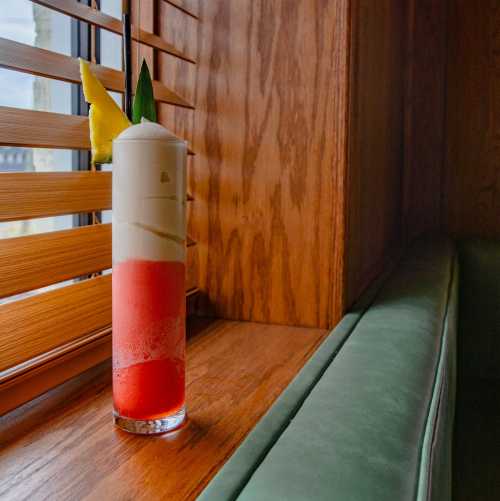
151	426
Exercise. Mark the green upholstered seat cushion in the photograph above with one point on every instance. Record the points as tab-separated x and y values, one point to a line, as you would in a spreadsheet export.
364	430
479	317
229	482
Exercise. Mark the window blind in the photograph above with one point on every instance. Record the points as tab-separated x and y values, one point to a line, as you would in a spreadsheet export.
51	335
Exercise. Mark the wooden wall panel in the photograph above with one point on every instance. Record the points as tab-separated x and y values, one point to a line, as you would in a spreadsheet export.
189	6
182	31
471	198
376	141
142	14
269	134
424	116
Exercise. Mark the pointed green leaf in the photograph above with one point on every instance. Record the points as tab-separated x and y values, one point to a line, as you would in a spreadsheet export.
144	101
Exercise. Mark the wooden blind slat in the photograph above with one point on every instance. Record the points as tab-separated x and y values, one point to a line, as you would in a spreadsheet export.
34	261
26	195
97	18
39	323
45	63
43	129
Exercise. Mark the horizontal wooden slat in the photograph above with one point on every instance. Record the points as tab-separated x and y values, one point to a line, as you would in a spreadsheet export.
182	9
42	129
97	18
45	63
34	365
39	323
32	383
34	261
26	195
33	326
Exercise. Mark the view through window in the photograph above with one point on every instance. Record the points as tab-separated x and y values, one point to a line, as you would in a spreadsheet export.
31	24
37	26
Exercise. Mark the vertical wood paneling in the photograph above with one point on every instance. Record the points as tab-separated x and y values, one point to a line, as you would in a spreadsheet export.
376	138
143	16
182	30
424	116
471	201
270	141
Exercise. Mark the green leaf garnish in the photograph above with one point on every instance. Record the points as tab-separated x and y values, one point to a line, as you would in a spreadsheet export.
144	102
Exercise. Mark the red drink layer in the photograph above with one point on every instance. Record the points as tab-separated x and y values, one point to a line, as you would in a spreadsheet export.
149	305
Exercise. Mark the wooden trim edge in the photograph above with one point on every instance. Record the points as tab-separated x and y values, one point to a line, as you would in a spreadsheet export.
32	383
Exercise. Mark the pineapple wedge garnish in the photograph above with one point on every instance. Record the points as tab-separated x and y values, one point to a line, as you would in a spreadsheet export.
106	119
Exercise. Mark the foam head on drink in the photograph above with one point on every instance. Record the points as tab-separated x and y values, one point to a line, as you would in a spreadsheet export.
149	233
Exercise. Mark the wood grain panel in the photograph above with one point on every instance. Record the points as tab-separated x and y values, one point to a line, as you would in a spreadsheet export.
181	31
376	139
35	261
183	6
42	129
270	126
231	382
45	63
471	197
25	195
92	16
143	15
39	323
424	116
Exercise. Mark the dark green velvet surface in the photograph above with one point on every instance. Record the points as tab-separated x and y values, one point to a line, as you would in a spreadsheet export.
479	317
376	424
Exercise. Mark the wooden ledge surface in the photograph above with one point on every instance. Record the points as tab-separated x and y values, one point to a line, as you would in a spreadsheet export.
64	445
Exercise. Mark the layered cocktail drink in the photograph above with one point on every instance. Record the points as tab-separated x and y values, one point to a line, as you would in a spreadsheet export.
149	233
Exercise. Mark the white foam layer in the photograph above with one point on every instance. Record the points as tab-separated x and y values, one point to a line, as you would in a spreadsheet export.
147	130
149	191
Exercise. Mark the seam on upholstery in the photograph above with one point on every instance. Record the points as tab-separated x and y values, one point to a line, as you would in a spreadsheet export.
378	285
429	422
435	427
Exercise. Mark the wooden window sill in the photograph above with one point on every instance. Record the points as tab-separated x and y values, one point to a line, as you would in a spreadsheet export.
64	445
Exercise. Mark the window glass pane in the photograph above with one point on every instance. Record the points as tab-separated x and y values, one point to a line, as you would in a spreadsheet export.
111	43
21	90
32	24
106	216
25	22
34	159
12	229
118	98
112	8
